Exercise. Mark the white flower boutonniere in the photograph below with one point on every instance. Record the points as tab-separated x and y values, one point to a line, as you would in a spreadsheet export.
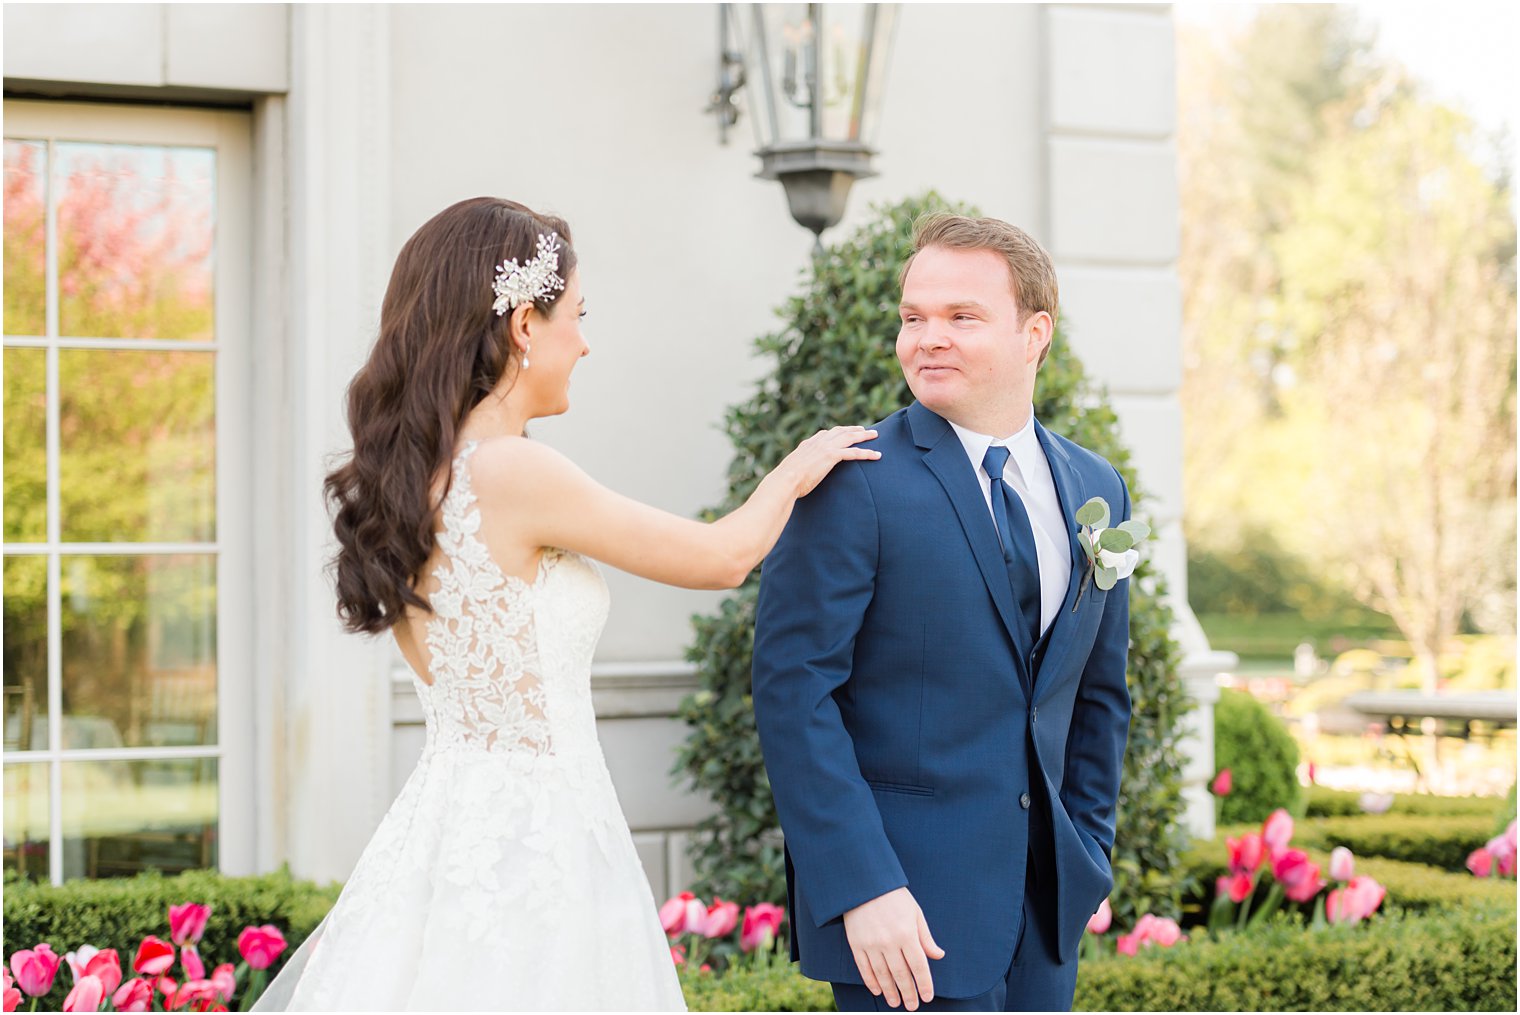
1111	553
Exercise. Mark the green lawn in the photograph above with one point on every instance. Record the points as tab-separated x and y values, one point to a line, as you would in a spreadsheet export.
1274	636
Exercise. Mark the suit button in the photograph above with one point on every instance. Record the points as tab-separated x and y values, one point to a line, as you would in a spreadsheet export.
1034	714
1024	800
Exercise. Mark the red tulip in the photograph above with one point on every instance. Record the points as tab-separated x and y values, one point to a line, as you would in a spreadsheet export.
762	922
260	946
1246	853
1222	783
722	917
190	962
134	995
1298	876
154	957
86	995
1481	862
196	994
678	954
1277	831
35	969
1100	921
1237	886
224	978
1342	864
187	922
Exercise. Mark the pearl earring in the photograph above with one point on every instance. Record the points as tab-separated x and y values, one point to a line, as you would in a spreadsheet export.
526	350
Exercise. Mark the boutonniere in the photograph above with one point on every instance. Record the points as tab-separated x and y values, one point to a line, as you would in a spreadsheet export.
1111	553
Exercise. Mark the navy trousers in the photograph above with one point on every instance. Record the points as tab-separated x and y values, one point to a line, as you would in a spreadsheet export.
1035	981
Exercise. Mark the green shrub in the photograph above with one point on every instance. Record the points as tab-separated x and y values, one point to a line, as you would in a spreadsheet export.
1441	840
1333	803
1443	961
119	912
1260	754
779	987
835	363
1448	961
1412	887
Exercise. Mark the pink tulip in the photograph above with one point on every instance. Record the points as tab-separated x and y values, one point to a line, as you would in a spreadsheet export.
1277	831
190	962
187	922
683	913
1298	876
134	995
1165	932
1481	862
1246	853
224	979
1222	783
678	954
1100	921
1356	902
196	994
86	995
1507	865
35	969
260	946
1129	944
1502	848
721	919
12	995
154	957
79	960
1237	886
762	922
106	967
1342	864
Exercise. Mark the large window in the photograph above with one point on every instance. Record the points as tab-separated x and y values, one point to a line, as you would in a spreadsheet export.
126	713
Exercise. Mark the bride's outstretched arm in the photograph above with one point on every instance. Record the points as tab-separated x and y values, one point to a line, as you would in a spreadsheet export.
547	500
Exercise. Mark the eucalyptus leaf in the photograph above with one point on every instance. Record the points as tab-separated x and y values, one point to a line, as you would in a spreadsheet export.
1094	513
1107	578
1137	529
1116	540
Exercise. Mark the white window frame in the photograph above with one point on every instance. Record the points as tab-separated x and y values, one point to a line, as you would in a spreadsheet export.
230	133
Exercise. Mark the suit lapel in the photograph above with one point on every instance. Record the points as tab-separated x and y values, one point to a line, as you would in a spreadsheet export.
946	458
1069	488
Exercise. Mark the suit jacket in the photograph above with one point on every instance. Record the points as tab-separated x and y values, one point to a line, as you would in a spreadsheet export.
896	691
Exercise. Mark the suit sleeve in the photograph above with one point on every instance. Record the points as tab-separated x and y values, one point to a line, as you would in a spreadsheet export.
815	588
1100	720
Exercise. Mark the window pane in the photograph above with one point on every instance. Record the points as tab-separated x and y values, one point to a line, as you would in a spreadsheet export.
26	820
138	455
123	817
25	237
26	444
135	241
139	651
26	698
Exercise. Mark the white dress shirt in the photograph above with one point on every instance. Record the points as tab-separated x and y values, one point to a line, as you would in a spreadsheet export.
1028	474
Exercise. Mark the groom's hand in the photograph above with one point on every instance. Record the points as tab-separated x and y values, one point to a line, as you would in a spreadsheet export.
892	947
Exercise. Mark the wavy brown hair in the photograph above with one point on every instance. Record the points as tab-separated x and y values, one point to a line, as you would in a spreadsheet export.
441	350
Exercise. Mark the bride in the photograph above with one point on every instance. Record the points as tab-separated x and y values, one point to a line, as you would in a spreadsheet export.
504	875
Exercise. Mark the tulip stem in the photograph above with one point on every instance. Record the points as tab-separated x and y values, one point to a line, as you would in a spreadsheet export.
1273	901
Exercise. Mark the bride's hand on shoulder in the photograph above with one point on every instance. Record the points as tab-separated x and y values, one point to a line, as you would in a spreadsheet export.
816	457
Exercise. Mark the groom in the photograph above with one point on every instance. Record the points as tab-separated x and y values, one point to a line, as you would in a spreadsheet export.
940	697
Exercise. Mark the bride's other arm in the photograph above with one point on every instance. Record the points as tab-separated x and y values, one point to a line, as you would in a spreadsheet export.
549	501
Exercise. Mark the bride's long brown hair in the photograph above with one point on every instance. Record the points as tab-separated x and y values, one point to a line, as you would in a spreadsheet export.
441	349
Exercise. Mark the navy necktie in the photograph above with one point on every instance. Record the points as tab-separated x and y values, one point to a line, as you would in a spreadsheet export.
1019	552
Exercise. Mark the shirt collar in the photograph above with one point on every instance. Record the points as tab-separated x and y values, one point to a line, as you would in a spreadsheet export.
1023	447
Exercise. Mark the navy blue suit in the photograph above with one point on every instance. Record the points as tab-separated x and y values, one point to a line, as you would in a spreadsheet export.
908	724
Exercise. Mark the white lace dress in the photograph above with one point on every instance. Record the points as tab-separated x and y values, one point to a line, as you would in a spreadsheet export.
503	876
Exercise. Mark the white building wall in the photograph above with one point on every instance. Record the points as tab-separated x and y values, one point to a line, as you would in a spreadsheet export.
369	119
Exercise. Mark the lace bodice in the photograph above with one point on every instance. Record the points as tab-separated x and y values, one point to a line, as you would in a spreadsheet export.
510	660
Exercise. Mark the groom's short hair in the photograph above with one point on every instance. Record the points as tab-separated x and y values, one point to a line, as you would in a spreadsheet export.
1029	266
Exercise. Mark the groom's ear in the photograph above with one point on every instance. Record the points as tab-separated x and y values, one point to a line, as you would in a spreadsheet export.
1041	331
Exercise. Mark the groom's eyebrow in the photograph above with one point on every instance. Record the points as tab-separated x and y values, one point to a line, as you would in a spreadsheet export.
957	305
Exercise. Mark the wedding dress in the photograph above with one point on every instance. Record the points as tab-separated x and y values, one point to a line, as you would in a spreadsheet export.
504	875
